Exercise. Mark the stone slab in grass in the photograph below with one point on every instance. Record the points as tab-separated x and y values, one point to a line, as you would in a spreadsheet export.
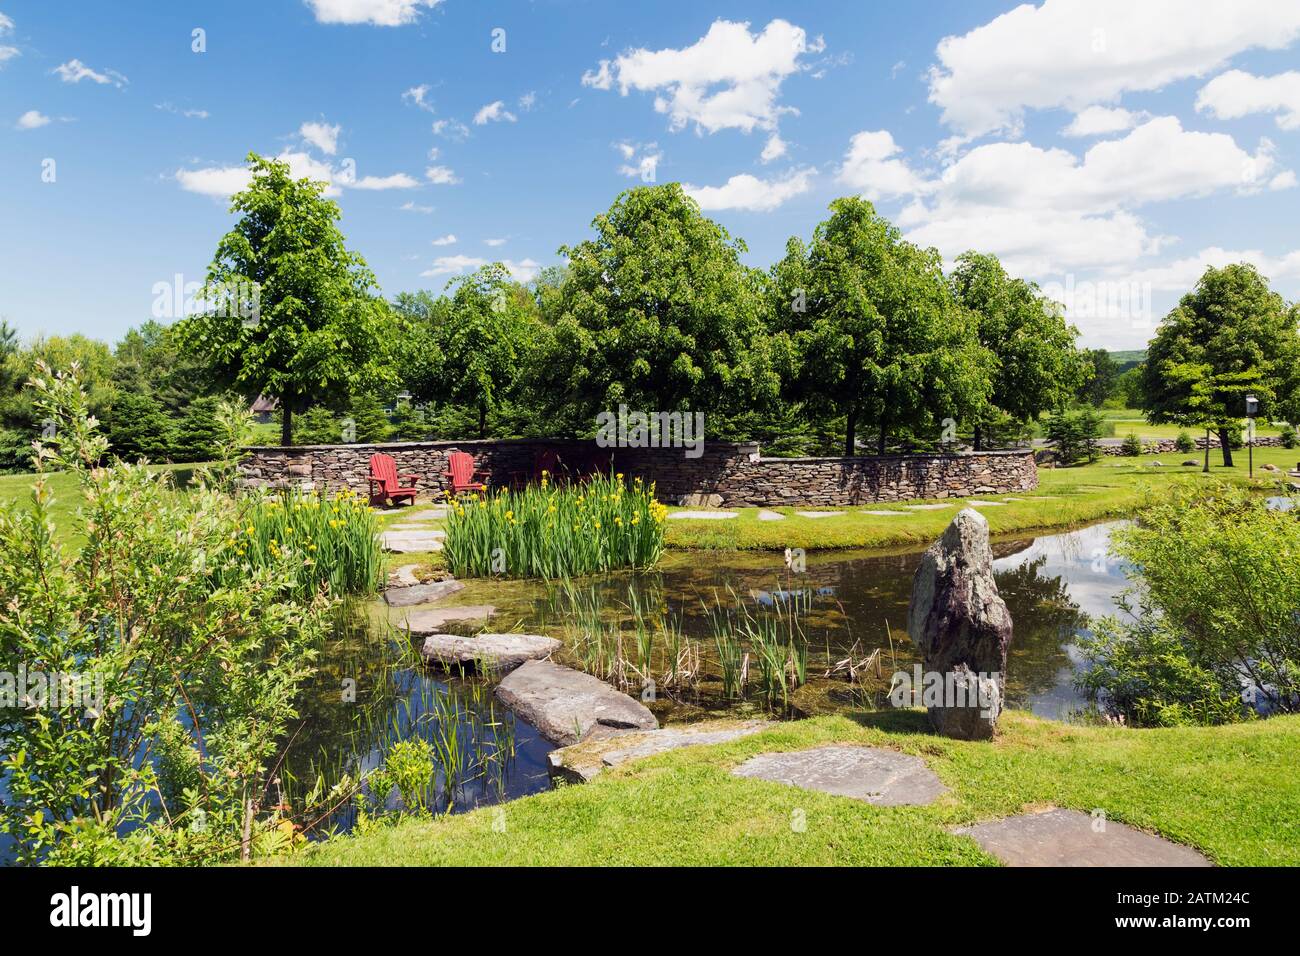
977	503
411	542
765	514
928	507
500	652
818	514
433	620
408	526
414	594
884	778
580	762
1070	838
567	705
426	514
703	515
885	514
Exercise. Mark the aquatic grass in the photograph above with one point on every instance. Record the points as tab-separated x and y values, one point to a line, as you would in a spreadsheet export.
551	530
329	542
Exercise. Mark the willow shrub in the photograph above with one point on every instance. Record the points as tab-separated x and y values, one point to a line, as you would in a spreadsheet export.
552	531
1214	625
336	539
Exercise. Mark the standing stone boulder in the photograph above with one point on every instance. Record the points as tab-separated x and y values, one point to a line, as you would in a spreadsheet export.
962	628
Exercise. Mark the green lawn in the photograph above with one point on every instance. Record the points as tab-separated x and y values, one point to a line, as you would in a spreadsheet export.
1231	792
1132	420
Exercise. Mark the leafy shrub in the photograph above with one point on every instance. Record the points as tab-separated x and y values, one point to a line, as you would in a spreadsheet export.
317	426
139	427
198	434
1075	434
1184	443
552	531
1290	439
334	541
1216	591
1132	445
187	661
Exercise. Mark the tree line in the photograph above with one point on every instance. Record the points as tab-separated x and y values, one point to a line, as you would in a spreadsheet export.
856	341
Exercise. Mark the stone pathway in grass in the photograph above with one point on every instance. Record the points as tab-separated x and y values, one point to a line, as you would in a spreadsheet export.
580	762
703	515
928	507
884	778
976	503
1070	838
412	542
404	576
885	514
818	514
765	515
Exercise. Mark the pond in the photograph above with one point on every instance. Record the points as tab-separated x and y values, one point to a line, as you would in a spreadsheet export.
371	690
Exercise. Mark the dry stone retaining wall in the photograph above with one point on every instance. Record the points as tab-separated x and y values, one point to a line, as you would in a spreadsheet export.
727	474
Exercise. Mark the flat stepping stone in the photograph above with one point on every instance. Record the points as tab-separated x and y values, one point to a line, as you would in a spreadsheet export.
765	515
411	542
818	514
431	620
885	514
566	705
499	652
976	503
703	515
1070	838
414	594
927	507
883	778
436	532
404	577
580	762
426	514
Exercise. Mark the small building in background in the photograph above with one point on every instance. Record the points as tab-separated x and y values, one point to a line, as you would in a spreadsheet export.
264	408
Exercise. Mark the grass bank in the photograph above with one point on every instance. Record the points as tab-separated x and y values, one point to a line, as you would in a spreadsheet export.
1231	792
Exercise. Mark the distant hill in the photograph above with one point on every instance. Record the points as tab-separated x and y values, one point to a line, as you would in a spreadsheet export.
1130	359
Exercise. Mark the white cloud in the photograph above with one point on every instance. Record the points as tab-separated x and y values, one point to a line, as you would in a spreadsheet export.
751	193
441	176
1235	94
1048	210
168	107
32	119
321	135
74	71
1182	274
453	265
416	95
453	129
528	101
6	25
494	243
7	53
1099	120
774	149
448	240
1074	55
871	168
728	79
395	181
640	160
219	181
494	113
411	206
380	13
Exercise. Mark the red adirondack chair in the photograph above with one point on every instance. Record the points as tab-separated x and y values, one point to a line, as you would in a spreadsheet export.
384	477
462	474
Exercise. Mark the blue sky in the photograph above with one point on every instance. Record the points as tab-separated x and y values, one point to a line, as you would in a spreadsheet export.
1108	150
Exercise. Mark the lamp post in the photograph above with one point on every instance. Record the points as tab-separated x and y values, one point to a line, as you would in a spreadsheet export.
1252	409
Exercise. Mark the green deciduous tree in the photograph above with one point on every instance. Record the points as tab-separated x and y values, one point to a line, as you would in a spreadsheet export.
878	336
1036	366
1228	337
657	310
291	313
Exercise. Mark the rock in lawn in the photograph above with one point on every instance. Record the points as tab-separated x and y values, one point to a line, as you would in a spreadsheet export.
962	628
